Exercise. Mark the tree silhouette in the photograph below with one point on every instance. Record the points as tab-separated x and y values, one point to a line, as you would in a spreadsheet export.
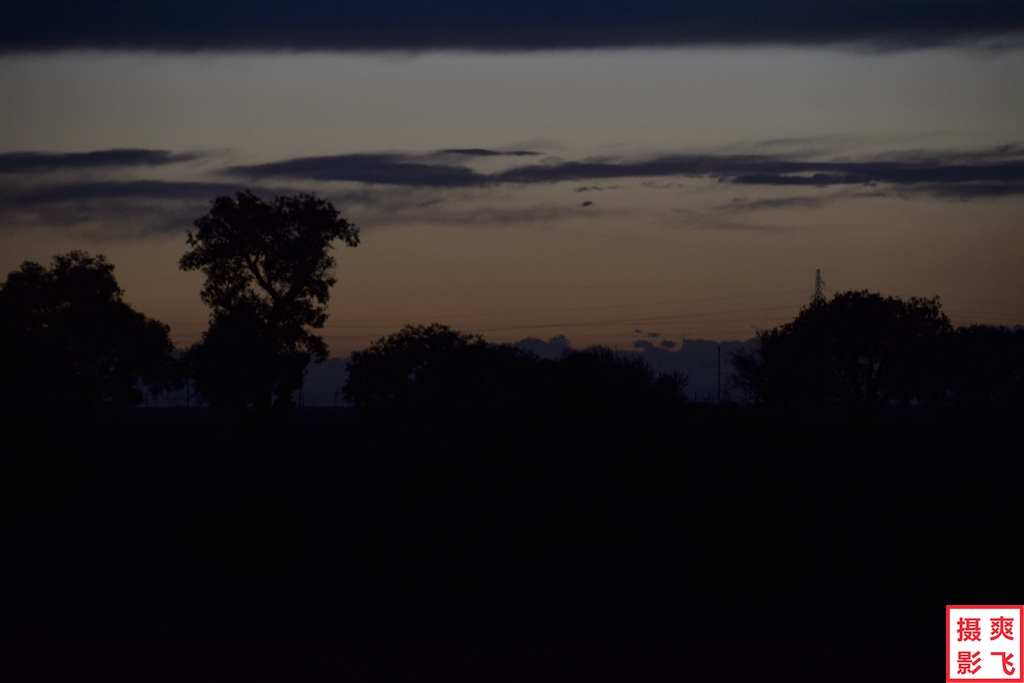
68	340
268	280
984	367
859	351
599	376
436	367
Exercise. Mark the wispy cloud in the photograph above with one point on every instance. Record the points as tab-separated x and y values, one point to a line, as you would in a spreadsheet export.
744	205
111	209
137	189
38	162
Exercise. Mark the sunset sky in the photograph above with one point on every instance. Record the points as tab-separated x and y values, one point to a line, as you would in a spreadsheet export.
535	169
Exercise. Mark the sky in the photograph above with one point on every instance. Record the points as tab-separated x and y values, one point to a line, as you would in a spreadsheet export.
534	169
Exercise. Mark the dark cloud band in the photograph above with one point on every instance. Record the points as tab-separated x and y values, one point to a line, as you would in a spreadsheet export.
35	162
497	25
386	169
998	171
138	189
477	152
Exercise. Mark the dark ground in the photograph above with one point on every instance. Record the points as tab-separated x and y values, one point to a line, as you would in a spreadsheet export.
702	544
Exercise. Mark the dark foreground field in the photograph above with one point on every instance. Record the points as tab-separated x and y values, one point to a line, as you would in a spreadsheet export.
697	545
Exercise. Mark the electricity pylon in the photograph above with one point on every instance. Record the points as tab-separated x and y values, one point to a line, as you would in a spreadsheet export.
819	288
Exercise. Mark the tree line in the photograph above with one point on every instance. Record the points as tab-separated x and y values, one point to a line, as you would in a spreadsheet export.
69	340
862	352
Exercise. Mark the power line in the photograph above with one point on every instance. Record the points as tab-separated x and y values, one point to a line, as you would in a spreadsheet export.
547	310
527	326
590	308
989	316
348	321
703	319
983	303
600	323
683	318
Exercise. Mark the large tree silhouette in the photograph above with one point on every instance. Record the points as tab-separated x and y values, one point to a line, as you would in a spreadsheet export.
268	280
68	339
859	351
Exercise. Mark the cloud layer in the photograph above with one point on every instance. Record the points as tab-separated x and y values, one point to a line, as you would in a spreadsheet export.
448	186
498	25
995	172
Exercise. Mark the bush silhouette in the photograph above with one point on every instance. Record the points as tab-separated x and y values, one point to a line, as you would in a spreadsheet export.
598	376
984	367
70	341
438	368
424	366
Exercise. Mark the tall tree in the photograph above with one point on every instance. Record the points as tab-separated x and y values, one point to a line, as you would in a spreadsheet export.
68	339
268	278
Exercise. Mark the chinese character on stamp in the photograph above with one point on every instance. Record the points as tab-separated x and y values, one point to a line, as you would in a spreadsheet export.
983	643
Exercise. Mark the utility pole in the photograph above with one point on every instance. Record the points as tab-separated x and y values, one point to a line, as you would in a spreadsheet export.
819	288
719	373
